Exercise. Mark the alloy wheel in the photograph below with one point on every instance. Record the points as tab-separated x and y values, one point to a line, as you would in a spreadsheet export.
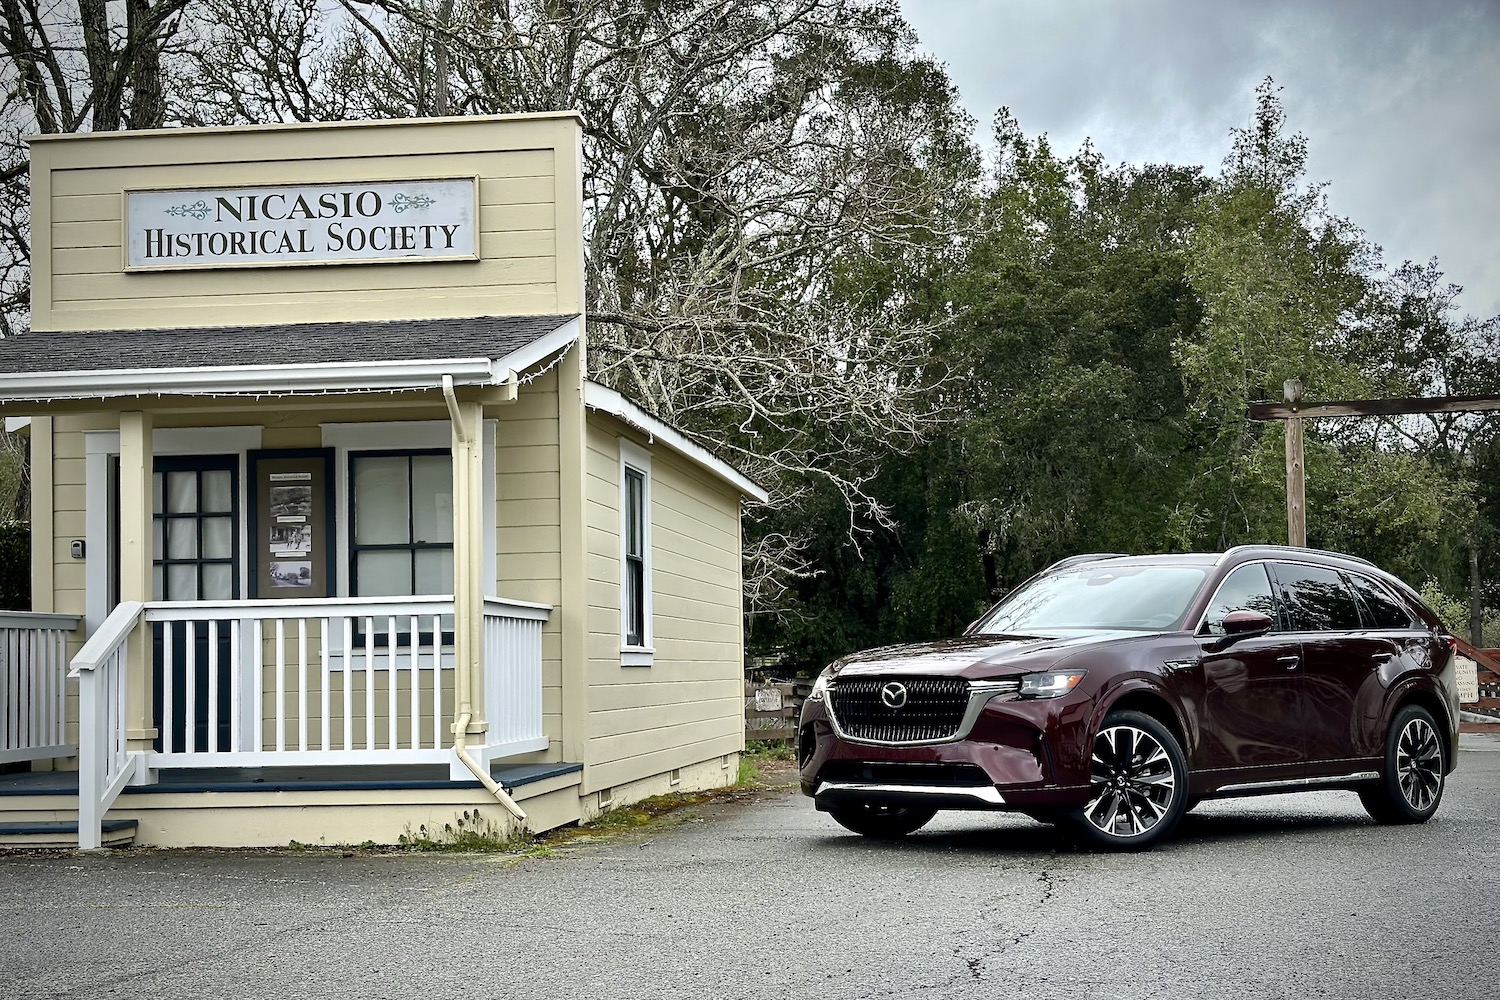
1419	764
1132	782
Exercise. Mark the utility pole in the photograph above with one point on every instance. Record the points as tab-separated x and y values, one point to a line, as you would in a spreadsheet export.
1296	472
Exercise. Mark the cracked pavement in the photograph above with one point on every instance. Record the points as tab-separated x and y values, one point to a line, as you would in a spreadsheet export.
1291	896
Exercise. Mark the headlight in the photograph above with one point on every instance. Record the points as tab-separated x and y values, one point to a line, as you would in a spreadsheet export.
1051	684
820	687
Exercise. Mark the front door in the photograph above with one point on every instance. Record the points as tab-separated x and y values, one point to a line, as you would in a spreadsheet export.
196	531
1252	699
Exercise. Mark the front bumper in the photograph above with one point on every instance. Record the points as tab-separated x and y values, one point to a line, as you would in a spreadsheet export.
1018	754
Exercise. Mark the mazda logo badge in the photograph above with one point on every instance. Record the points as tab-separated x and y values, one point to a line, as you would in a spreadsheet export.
894	695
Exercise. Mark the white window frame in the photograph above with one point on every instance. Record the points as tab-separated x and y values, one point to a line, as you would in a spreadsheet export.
406	435
633	456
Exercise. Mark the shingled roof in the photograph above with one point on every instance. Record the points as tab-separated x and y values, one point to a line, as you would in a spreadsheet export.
288	357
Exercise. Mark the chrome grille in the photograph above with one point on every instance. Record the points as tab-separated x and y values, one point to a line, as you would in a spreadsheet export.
934	709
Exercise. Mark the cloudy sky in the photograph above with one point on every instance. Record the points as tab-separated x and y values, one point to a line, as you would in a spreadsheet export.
1399	99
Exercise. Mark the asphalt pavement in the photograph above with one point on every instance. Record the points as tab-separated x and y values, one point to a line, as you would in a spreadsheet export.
1291	896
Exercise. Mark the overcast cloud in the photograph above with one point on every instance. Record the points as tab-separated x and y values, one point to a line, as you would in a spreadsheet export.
1397	98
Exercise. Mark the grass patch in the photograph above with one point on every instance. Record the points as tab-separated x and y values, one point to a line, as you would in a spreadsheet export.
757	756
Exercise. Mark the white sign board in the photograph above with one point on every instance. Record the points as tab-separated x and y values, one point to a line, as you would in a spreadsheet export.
362	223
768	700
1467	680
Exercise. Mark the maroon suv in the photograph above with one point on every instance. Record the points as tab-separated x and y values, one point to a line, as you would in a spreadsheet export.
1113	693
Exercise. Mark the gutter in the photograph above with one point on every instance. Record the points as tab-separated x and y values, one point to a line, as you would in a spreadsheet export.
460	731
461	724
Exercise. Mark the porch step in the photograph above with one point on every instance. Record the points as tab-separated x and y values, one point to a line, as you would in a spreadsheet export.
117	833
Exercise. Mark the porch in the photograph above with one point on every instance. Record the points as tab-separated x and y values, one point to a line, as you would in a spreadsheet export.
269	695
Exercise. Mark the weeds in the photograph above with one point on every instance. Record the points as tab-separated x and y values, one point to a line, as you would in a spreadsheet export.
470	832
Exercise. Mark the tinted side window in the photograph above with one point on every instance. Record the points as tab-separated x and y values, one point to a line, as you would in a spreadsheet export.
1319	599
1381	609
1246	589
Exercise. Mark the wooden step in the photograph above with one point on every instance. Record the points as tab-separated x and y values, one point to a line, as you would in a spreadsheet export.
117	833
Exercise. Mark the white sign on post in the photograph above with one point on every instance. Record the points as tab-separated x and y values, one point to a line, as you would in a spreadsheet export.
363	223
1467	678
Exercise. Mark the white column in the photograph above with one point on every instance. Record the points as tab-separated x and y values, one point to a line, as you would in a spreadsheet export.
135	568
468	565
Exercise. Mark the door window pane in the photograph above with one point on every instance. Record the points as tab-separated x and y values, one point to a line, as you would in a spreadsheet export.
182	538
1319	600
156	539
182	492
182	583
156	491
1246	589
383	573
381	492
218	492
218	538
432	500
218	582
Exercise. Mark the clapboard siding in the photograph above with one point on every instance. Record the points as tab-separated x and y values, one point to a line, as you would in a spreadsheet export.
525	266
688	705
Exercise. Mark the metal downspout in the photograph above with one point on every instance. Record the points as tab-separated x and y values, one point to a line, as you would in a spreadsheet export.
465	712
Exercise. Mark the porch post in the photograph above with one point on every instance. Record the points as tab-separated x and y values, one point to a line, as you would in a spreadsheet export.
468	564
135	569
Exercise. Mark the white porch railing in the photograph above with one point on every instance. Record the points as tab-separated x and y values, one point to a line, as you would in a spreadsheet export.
513	677
104	763
33	696
318	682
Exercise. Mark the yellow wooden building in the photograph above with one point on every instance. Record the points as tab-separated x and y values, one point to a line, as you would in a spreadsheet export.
333	540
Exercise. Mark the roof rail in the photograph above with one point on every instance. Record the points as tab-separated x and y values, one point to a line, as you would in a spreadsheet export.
1082	558
1299	549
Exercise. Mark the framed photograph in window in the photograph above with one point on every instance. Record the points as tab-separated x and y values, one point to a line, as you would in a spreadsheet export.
292	523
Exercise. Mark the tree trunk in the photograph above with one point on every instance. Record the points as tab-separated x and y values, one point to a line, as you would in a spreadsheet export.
148	105
1476	599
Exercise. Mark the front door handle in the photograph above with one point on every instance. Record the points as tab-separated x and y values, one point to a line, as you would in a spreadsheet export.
1290	662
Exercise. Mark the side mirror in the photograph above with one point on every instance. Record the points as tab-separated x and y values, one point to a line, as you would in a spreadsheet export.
1242	624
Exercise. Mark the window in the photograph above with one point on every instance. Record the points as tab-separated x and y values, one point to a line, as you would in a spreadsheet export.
194	542
1107	595
401	542
1320	601
635	555
1246	589
1381	609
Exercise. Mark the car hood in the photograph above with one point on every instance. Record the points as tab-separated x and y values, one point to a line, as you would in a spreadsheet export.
977	656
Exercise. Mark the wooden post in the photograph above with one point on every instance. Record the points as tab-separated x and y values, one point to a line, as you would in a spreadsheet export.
1296	473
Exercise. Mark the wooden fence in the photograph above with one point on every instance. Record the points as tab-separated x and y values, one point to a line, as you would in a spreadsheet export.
771	710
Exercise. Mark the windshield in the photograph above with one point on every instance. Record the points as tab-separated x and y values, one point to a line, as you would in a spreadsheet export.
1098	596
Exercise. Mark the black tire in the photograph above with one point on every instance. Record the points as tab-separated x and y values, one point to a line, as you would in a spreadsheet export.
1412	780
882	822
1138	784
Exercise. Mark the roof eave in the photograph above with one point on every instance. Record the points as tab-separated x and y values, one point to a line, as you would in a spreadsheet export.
606	400
243	380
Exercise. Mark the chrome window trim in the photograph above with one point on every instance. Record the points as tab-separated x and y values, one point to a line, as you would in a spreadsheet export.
980	692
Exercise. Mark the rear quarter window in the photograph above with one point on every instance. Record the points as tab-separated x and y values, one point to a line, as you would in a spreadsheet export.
1380	607
1318	599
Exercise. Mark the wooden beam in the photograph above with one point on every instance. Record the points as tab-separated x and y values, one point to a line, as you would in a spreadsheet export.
1374	407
